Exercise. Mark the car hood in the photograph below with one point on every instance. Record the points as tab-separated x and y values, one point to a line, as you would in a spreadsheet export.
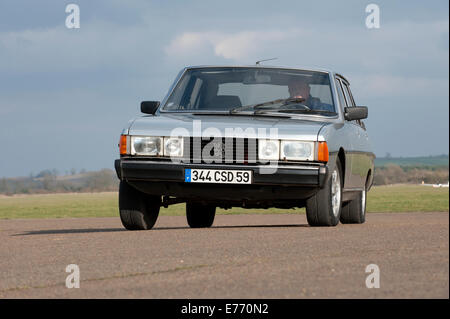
225	125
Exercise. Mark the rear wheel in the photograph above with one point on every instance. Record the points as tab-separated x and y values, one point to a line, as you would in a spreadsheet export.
354	212
200	215
324	208
138	211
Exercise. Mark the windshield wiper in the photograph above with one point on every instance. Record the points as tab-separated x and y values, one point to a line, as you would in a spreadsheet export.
289	110
242	114
287	101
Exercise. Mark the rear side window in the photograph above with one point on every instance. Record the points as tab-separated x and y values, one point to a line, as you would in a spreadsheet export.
341	94
348	95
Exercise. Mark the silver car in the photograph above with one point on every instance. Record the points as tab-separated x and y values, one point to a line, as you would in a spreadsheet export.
247	136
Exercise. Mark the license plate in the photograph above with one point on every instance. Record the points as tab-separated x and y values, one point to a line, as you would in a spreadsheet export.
219	176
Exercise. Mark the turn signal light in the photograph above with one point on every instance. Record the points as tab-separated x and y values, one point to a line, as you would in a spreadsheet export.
322	154
123	144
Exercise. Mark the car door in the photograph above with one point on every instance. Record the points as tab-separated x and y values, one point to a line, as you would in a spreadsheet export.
360	152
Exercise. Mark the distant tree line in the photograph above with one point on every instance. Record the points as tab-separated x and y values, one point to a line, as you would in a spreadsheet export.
48	181
395	174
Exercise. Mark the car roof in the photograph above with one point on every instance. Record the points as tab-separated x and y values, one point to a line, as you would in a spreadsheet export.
313	69
261	67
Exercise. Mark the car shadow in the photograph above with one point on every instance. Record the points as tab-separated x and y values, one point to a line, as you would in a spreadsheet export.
70	231
108	230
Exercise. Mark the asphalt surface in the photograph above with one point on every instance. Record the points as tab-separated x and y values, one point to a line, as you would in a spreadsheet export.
241	256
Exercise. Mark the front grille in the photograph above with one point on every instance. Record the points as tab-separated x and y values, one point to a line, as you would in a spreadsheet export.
222	150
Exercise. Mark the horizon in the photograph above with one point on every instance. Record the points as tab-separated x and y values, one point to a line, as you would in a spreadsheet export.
67	172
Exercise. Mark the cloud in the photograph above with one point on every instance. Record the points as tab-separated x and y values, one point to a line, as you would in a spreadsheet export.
232	46
246	44
191	43
381	50
374	61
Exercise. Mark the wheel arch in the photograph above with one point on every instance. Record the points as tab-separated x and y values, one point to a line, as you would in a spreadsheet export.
341	157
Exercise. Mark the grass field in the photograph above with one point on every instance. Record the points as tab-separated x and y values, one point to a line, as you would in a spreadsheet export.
395	198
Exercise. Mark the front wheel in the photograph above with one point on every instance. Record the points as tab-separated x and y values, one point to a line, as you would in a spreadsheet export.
138	211
324	208
199	215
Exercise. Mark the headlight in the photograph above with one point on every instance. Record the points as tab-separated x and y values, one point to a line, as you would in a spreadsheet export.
146	145
173	146
294	150
269	149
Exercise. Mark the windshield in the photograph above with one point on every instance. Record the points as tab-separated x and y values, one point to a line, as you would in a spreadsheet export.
240	89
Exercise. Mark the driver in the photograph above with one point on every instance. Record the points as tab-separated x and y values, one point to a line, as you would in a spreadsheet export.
300	89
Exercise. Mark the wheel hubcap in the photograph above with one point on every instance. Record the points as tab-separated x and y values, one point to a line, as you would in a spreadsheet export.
335	192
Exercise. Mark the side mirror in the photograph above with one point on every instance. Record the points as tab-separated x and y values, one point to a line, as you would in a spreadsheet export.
149	107
356	113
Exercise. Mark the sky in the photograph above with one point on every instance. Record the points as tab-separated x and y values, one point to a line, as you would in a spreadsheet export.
66	94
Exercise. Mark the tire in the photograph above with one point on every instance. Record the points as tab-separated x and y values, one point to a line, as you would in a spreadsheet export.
321	210
138	211
199	215
354	212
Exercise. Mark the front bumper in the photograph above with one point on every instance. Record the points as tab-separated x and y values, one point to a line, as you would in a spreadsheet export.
288	185
284	175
